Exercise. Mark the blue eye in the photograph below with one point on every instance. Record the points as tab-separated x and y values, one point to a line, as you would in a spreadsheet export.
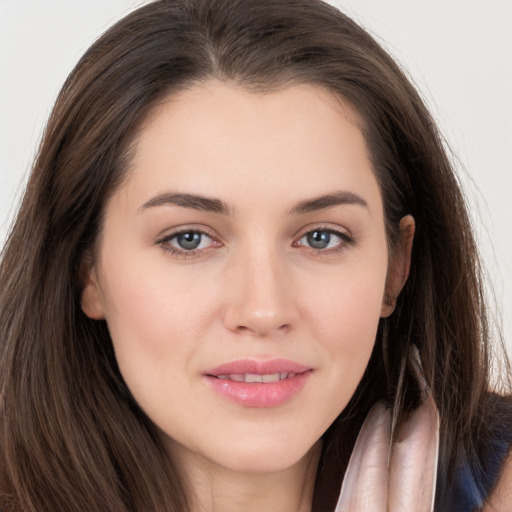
186	241
319	239
322	239
189	241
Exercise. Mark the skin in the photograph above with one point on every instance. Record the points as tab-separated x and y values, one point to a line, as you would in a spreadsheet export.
255	288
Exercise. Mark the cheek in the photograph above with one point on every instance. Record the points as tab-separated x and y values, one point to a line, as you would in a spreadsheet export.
350	330
347	307
353	316
154	333
346	318
146	297
157	319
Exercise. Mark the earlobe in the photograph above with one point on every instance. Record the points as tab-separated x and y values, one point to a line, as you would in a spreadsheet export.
399	265
92	298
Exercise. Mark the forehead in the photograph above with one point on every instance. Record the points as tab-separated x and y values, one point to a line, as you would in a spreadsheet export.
283	106
214	138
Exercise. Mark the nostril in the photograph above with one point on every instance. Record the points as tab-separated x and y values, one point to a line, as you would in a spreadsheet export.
262	330
252	315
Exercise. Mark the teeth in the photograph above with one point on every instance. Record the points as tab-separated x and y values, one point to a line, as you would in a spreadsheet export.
254	377
250	377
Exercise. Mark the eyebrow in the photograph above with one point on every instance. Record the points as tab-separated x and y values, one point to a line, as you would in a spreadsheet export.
341	197
193	201
213	205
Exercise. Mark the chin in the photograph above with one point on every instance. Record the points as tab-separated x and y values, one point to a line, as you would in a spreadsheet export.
259	457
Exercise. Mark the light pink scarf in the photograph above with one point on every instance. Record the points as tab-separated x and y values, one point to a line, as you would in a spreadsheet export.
399	474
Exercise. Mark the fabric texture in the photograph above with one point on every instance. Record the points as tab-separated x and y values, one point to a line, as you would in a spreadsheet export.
394	472
399	473
369	483
475	479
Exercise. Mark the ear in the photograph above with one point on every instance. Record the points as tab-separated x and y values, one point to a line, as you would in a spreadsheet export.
399	265
92	297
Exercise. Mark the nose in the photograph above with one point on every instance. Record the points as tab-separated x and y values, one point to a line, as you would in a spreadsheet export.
261	300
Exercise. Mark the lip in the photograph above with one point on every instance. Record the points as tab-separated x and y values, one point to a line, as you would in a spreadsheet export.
258	394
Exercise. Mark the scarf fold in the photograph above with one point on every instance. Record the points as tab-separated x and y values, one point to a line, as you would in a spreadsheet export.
396	474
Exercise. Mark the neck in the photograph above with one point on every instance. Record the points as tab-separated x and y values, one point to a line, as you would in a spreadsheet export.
217	489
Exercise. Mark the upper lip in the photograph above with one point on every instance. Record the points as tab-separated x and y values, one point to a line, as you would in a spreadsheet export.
258	367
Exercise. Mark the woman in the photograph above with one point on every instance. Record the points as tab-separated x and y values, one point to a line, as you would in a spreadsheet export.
242	246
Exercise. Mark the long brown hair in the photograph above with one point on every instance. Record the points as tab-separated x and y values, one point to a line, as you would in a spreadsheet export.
72	436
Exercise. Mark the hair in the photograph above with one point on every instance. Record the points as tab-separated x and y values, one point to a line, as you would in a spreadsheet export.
71	435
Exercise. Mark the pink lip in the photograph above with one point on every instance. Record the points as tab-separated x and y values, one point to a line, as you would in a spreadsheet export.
259	394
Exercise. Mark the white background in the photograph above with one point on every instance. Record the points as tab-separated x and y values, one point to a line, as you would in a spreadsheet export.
458	52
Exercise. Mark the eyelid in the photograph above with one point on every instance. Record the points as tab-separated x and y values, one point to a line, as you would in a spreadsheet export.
346	237
337	230
186	228
163	240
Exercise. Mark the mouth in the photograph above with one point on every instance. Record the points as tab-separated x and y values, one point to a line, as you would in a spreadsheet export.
271	370
258	384
256	378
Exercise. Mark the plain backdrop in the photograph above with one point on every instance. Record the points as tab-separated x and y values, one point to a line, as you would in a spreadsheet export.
457	52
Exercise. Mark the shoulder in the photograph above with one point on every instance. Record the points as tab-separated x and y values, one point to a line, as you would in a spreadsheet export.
500	499
497	455
483	476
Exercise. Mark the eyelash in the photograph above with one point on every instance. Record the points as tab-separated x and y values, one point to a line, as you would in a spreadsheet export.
183	253
345	240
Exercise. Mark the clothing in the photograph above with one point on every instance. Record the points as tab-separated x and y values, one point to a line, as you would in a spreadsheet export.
400	475
474	482
393	472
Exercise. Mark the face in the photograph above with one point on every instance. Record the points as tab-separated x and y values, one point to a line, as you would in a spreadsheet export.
241	270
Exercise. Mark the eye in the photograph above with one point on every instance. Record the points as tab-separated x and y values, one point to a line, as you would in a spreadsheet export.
322	239
190	240
187	243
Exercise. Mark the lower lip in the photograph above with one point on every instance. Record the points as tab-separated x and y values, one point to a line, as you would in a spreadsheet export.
256	394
